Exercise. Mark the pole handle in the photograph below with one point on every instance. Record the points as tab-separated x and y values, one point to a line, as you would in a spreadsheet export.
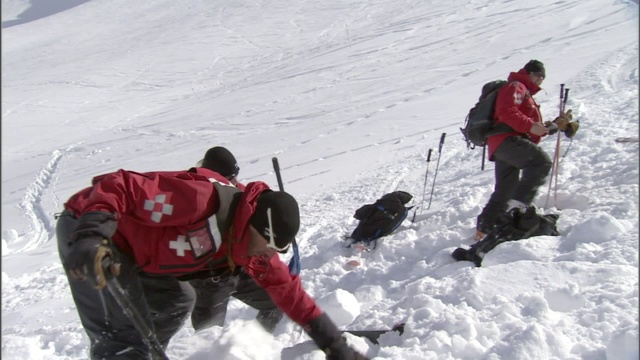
441	142
429	155
276	168
560	107
564	100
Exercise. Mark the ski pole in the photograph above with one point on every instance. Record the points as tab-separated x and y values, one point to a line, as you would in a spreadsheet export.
555	186
437	165
294	263
122	298
424	188
557	150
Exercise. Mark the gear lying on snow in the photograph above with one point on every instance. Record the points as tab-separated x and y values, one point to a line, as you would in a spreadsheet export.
380	218
373	335
516	224
626	140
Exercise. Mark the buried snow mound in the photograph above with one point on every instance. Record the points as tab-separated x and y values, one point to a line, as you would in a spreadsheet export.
516	224
380	218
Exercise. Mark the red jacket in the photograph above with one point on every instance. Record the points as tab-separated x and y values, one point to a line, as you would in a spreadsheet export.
516	107
176	223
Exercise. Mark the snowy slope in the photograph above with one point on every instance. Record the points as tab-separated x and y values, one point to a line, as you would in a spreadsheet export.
349	95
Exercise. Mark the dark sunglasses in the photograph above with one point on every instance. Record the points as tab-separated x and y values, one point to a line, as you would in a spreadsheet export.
233	176
538	74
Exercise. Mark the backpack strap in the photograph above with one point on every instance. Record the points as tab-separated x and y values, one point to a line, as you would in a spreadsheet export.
502	128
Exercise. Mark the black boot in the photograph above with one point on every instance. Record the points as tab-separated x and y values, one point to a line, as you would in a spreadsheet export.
487	220
461	254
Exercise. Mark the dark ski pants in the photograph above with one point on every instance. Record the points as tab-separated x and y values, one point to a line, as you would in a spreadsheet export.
516	156
163	301
213	296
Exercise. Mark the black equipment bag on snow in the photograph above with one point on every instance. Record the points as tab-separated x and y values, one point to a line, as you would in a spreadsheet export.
382	217
513	225
479	123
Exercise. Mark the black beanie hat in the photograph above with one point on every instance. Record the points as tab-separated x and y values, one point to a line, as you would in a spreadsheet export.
535	66
285	217
222	161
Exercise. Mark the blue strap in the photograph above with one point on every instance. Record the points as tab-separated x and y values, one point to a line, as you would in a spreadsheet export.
384	211
294	263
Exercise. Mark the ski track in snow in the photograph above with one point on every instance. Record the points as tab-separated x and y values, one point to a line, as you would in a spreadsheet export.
281	69
42	228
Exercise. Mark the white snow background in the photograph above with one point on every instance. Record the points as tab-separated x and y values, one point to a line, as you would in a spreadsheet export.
349	95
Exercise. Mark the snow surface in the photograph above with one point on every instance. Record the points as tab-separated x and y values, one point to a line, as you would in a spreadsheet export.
349	95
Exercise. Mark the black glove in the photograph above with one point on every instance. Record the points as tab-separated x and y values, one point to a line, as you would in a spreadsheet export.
91	256
326	335
92	259
553	128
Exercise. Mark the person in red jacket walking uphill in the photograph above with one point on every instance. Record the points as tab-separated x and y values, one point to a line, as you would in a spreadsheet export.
516	153
157	226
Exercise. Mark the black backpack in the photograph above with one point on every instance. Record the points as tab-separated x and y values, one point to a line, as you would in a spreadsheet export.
380	218
479	123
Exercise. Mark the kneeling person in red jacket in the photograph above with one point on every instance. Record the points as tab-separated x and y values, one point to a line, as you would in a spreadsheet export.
159	226
212	295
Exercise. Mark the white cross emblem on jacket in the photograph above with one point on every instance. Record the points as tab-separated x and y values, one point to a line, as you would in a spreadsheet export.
180	245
